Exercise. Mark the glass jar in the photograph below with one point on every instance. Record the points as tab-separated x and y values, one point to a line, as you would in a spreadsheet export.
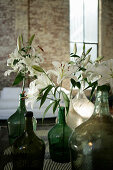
58	139
91	143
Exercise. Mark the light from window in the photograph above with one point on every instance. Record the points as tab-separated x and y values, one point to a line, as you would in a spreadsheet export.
84	25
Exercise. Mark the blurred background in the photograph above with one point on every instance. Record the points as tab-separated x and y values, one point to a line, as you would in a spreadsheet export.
57	25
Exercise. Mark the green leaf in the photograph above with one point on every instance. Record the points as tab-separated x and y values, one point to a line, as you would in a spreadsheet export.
74	55
39	98
41	91
18	78
66	101
23	49
46	110
71	62
71	53
91	84
82	69
55	105
84	48
92	91
45	94
31	39
15	62
37	68
88	51
55	91
99	59
74	83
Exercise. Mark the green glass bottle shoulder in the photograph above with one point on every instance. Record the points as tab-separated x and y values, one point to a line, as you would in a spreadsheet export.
16	125
30	144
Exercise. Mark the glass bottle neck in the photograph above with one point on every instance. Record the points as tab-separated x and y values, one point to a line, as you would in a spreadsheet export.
101	103
29	125
61	115
22	102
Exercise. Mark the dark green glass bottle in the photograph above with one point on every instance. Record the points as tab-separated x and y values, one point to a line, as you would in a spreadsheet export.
91	143
58	139
28	149
16	122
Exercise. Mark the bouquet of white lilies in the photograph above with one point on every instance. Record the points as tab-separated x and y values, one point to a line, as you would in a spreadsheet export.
22	60
44	86
101	73
26	61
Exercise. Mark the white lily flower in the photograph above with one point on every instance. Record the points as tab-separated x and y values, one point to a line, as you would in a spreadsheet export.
92	73
34	88
43	81
39	58
106	72
15	69
32	93
63	70
8	72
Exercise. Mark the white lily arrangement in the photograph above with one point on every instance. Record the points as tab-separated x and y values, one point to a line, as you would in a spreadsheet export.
22	59
26	61
101	74
44	86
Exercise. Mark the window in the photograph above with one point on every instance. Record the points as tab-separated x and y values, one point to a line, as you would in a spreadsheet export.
84	25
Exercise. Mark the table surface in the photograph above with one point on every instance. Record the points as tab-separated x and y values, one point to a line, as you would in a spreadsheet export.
5	151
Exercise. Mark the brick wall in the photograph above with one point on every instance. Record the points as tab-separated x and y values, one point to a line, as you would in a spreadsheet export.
48	19
106	29
7	37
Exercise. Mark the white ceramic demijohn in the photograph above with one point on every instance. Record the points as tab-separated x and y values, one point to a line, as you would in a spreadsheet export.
81	109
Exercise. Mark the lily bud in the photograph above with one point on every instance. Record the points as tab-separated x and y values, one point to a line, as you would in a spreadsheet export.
75	49
87	60
18	43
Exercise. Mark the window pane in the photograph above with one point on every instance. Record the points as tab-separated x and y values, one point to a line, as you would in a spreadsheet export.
76	20
93	51
87	46
91	20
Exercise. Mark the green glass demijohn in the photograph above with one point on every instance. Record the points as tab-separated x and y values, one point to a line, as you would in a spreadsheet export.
58	138
16	122
28	149
91	143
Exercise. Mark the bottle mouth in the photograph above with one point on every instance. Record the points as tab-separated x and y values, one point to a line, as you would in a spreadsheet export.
62	108
29	114
104	88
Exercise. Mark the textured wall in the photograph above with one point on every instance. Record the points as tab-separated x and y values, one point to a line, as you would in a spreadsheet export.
7	36
106	43
48	19
50	22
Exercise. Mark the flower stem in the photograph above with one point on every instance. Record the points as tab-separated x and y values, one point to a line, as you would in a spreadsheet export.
23	85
